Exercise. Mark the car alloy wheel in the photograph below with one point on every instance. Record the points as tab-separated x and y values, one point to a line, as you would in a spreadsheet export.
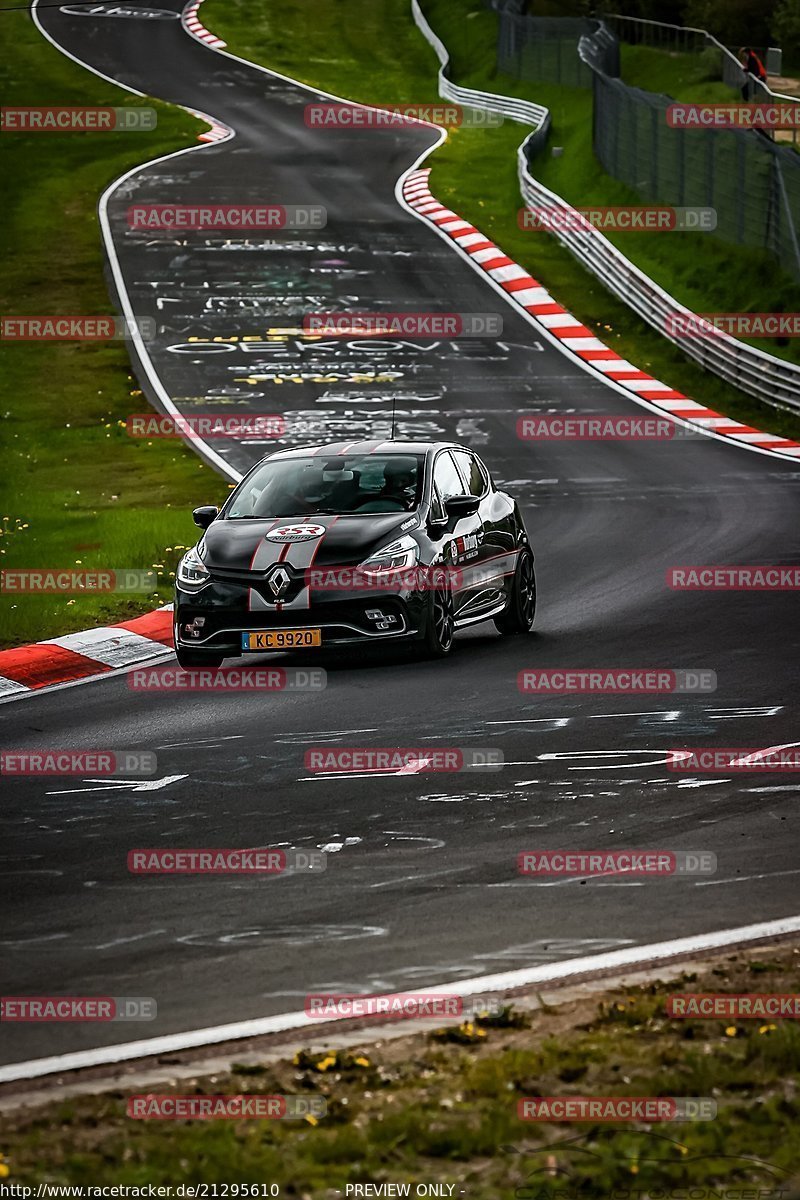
520	612
441	623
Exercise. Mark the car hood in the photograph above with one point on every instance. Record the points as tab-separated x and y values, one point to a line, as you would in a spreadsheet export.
324	540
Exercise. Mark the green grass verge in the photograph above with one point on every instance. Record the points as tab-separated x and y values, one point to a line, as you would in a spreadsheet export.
687	77
76	489
370	50
442	1107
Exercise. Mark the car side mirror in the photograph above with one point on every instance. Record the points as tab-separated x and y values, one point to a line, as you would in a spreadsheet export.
461	506
205	515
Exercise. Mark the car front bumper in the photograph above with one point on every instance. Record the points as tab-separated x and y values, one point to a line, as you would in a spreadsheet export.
213	619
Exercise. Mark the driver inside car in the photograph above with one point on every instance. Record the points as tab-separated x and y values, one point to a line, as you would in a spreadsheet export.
299	495
400	482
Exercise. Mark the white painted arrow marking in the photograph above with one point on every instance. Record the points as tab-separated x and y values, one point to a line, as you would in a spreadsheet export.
749	759
414	767
131	785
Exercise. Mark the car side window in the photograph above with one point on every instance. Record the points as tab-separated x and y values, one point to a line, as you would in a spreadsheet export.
446	478
473	472
446	483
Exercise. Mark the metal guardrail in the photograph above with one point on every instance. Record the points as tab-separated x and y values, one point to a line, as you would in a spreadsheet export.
770	379
752	183
688	39
524	111
753	371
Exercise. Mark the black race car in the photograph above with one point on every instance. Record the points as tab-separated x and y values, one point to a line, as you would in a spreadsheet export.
356	542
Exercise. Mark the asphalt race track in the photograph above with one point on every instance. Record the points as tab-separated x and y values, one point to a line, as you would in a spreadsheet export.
421	884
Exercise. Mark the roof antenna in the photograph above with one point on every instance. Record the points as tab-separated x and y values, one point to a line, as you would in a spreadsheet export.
394	406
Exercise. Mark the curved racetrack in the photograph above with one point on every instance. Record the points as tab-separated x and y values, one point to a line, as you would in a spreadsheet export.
423	887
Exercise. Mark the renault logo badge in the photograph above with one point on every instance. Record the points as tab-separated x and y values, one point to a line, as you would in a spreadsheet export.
278	581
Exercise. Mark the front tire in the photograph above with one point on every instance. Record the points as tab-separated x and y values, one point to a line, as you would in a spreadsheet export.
441	624
520	611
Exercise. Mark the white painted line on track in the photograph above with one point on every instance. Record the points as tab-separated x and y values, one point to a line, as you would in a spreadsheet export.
615	959
746	878
210	455
126	87
503	981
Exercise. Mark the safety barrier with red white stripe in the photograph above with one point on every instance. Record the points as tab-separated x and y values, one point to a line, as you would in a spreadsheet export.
197	29
94	653
523	290
217	132
86	655
773	380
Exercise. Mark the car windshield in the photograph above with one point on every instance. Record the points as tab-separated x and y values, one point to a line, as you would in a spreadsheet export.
359	483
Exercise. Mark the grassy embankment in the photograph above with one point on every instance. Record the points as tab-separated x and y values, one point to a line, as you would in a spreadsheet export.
442	1107
77	490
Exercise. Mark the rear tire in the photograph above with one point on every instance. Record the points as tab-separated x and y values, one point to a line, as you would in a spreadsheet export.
441	625
520	611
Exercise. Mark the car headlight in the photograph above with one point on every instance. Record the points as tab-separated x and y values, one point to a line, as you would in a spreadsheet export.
396	556
192	572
